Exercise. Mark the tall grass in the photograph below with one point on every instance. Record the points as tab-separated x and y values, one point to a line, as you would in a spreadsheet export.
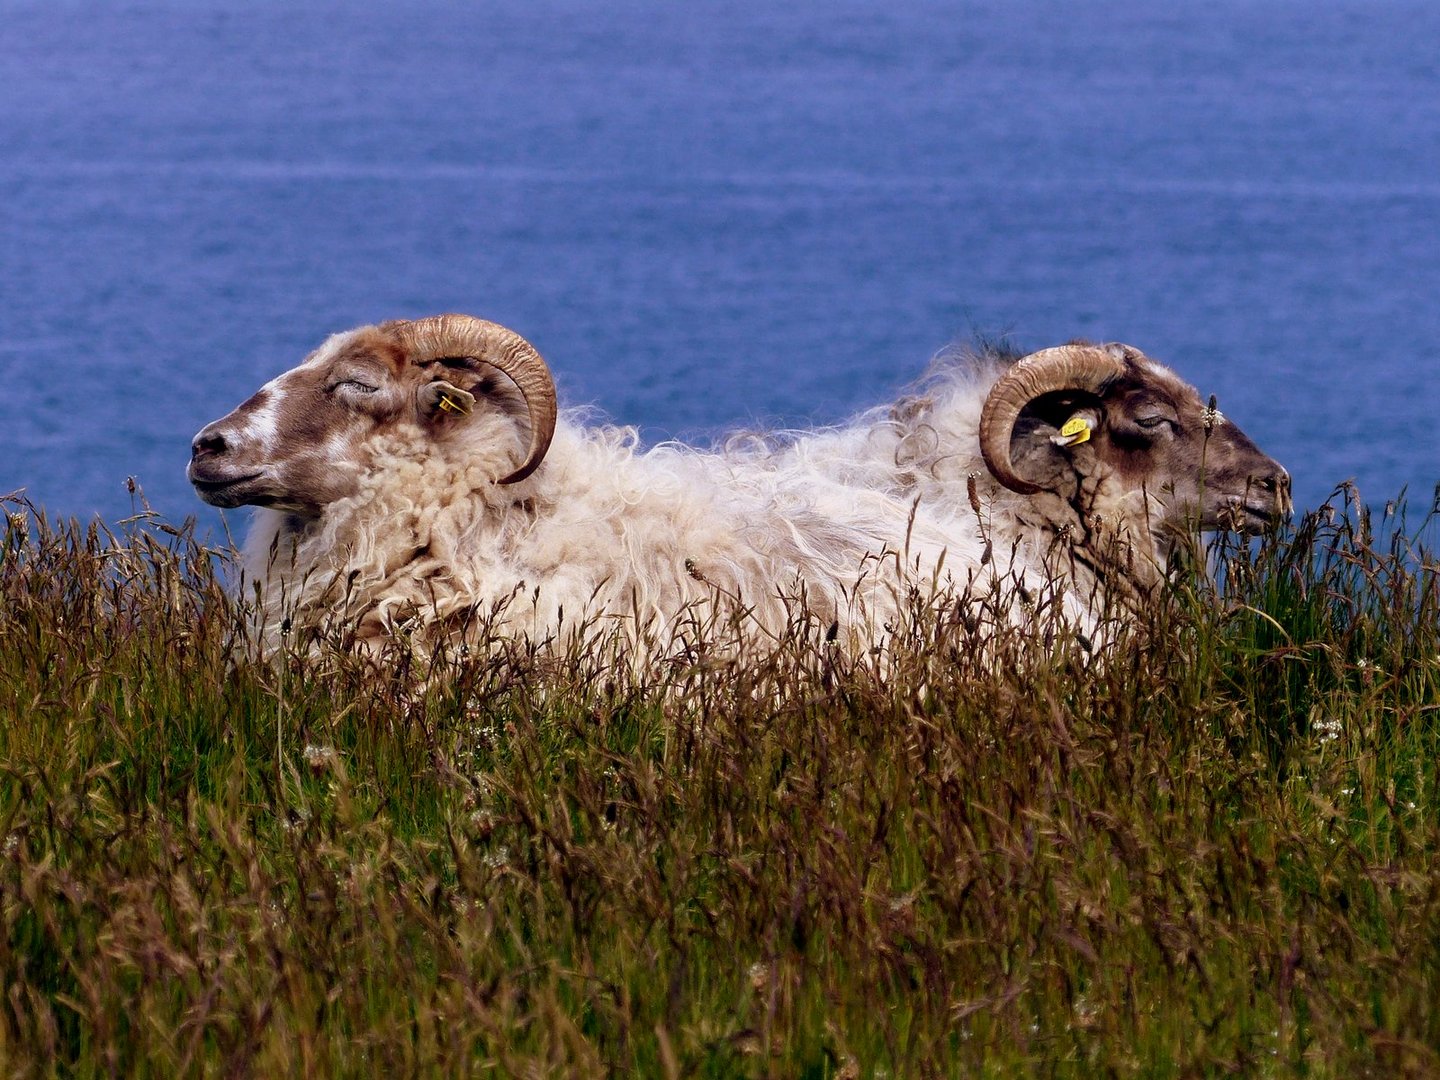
1212	849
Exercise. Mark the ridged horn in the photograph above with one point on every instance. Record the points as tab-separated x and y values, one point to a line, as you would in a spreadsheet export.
464	335
1065	367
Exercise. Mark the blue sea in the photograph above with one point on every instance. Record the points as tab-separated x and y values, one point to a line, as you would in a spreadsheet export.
708	215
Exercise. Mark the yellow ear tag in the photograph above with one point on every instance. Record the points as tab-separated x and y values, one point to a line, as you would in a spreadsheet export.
449	403
1075	431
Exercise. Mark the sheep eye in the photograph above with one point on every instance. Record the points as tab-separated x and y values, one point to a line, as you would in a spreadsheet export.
355	385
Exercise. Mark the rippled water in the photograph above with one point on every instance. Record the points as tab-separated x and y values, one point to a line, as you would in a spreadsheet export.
707	215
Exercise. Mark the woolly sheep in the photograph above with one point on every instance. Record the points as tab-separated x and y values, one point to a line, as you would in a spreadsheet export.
417	473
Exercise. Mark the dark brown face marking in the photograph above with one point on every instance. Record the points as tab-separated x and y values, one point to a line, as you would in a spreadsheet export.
1157	431
1150	429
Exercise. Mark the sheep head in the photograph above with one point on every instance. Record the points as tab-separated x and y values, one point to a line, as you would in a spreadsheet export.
302	441
1082	420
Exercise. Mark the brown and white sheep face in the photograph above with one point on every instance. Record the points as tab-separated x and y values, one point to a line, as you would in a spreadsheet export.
307	438
1148	430
1159	434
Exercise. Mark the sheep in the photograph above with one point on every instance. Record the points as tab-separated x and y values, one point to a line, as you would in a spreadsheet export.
1096	460
414	473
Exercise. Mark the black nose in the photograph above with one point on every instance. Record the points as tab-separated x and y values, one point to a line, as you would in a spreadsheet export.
1277	481
208	442
1277	484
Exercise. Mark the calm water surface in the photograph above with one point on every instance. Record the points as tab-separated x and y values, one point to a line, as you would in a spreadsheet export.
708	215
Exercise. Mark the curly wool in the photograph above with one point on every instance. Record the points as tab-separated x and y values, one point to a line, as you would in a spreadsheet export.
851	520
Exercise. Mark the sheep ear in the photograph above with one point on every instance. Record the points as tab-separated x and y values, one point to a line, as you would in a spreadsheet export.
438	398
1077	429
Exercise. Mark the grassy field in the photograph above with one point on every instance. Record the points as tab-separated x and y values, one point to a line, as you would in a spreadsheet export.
1213	850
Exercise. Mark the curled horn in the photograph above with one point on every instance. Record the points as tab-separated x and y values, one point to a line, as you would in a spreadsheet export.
464	335
1066	367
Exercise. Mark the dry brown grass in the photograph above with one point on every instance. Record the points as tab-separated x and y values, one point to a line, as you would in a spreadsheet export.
1212	850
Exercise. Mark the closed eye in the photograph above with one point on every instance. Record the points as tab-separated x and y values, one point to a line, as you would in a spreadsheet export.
1151	421
354	386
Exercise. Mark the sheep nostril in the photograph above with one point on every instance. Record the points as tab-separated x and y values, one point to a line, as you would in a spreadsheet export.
1275	482
208	444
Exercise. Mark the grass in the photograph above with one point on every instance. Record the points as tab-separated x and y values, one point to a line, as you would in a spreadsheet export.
1212	850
